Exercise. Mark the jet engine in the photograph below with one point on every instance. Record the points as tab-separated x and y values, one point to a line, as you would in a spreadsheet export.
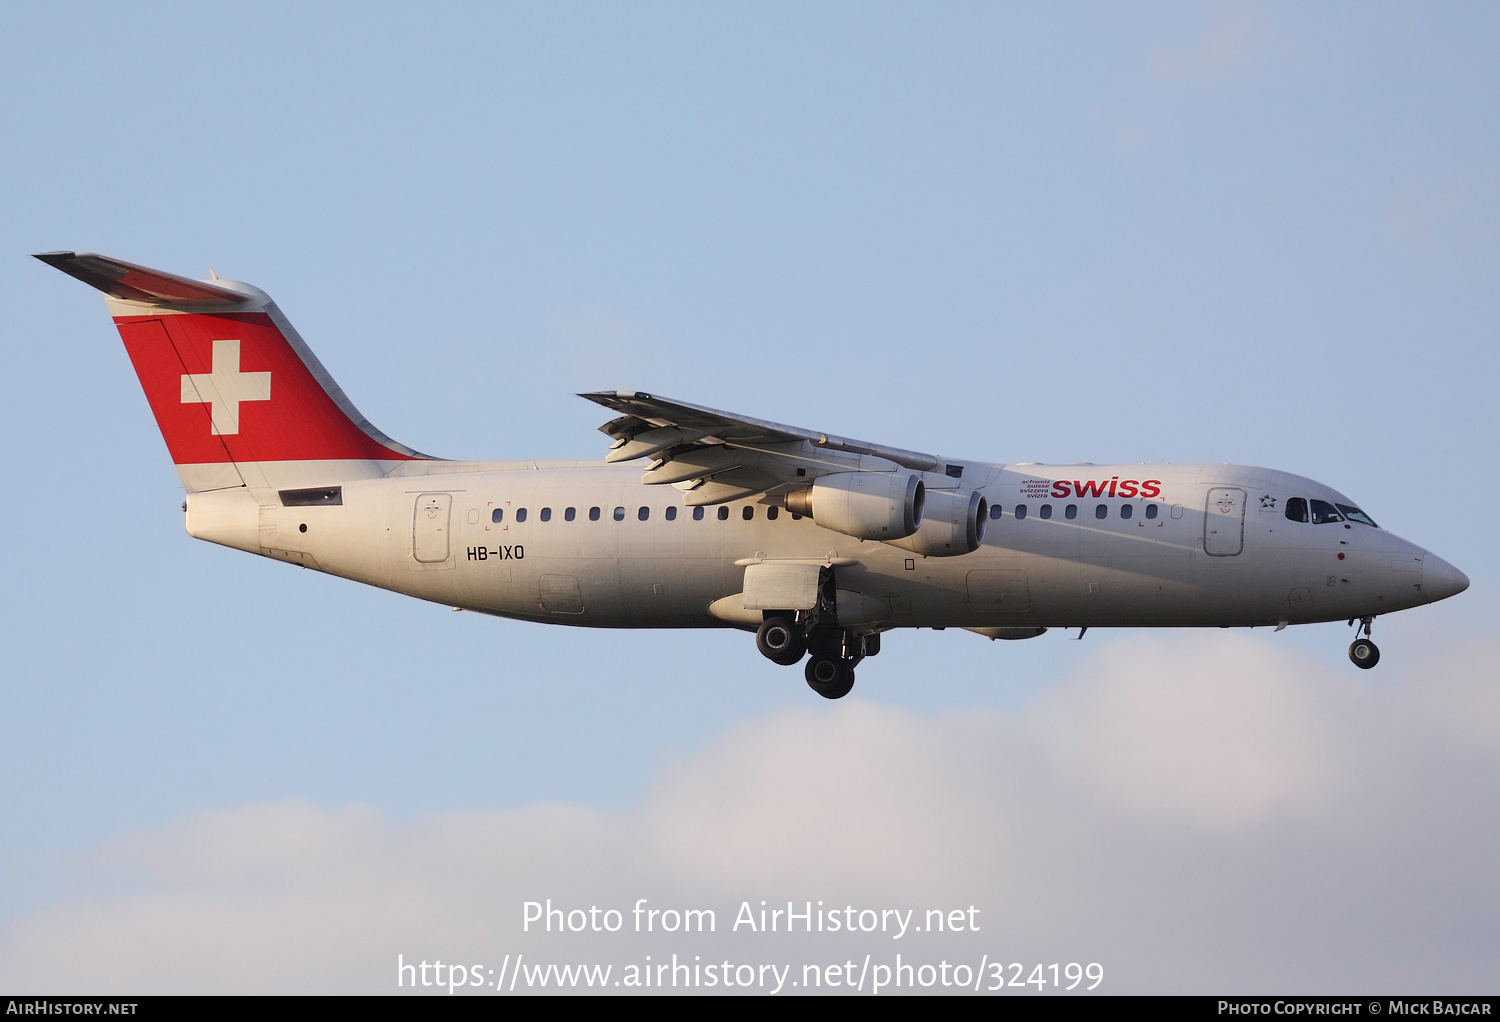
953	524
866	505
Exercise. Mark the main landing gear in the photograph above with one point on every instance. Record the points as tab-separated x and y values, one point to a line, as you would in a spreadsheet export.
830	669
780	640
1364	653
786	636
830	677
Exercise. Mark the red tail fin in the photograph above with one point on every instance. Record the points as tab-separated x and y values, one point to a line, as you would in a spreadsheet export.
239	397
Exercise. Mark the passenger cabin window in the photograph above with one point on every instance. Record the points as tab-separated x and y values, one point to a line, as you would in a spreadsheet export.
1152	510
520	514
1101	511
697	514
643	513
1126	510
748	512
1354	514
996	511
671	514
1020	510
772	513
497	515
619	514
1324	513
546	514
1046	511
570	514
723	513
1296	509
593	514
1071	511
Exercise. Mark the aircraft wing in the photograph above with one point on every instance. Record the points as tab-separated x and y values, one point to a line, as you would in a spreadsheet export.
718	456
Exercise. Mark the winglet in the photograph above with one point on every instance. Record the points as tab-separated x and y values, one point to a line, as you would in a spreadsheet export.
139	284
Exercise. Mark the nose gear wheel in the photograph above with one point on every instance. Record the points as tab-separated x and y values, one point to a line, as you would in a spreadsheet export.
1364	653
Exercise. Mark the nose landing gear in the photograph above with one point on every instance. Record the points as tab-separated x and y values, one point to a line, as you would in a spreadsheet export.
1362	652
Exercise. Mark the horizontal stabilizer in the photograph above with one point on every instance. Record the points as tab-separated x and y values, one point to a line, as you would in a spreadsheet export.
139	284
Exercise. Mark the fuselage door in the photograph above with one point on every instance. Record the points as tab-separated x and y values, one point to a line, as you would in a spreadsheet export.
429	530
1224	522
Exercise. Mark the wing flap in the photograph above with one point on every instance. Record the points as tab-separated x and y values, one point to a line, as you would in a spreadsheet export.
744	431
652	441
721	456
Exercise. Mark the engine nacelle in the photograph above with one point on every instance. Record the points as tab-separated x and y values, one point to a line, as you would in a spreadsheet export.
866	505
952	524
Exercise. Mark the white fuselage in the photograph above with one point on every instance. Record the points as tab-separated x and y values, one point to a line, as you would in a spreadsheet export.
1218	550
704	518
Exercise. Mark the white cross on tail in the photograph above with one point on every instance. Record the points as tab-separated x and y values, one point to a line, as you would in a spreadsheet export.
225	387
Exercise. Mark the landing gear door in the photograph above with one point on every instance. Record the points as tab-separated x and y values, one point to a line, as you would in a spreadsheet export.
429	530
773	585
1224	522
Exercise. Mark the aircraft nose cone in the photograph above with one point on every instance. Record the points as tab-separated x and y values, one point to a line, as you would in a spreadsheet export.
1440	579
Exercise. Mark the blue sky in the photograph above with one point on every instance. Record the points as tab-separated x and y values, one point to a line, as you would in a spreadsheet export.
1256	233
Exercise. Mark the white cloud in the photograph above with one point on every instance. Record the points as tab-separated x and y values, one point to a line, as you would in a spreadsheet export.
1222	741
1197	813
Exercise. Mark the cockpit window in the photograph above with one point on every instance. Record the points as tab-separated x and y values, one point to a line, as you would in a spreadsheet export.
1296	509
1354	514
1324	513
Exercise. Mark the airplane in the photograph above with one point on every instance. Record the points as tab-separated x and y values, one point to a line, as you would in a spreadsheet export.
819	544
